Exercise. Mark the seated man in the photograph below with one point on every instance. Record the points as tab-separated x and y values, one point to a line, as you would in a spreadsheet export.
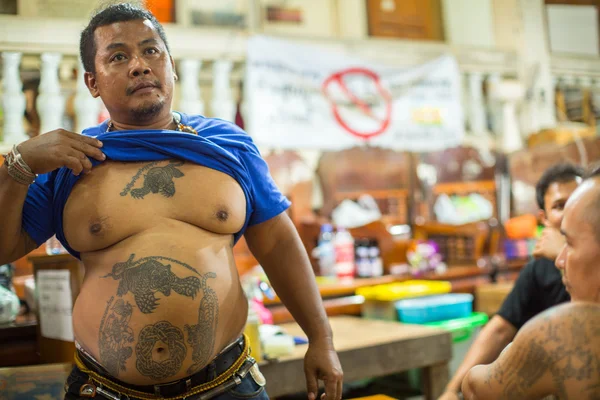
539	285
557	352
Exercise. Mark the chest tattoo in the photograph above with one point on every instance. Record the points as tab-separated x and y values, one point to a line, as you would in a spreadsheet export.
157	179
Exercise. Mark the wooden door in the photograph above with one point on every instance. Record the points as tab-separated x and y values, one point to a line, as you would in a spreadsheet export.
406	19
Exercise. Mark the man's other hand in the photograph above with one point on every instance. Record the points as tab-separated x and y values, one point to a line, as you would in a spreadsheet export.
549	244
321	363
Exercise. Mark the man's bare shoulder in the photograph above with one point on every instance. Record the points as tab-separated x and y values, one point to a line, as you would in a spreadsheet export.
573	316
567	339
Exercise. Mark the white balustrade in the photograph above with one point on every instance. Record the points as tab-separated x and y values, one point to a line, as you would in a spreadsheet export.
50	102
222	104
190	101
476	111
494	109
509	94
87	108
13	99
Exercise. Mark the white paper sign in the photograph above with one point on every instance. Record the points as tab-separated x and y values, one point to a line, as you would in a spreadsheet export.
302	97
55	304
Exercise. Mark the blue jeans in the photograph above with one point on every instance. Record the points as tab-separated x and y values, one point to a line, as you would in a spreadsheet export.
247	390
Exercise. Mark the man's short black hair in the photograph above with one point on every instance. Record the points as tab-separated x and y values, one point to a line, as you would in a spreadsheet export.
564	172
114	13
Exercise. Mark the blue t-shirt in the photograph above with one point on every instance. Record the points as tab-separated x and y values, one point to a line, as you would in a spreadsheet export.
219	145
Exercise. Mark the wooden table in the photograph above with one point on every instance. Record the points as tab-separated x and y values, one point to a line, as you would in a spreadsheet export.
339	297
34	382
368	349
18	342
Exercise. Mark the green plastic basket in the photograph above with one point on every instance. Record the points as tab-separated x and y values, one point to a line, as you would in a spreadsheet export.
462	328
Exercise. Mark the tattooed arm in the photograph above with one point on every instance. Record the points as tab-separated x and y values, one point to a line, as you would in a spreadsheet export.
556	353
277	247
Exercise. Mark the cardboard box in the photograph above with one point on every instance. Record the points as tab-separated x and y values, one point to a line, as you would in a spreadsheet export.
489	297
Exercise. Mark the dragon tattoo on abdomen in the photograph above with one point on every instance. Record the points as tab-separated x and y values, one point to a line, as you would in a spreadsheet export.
144	279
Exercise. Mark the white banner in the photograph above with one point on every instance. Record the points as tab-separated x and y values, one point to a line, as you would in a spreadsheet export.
302	97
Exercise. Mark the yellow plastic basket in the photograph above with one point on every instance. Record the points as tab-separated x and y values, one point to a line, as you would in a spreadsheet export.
380	300
404	290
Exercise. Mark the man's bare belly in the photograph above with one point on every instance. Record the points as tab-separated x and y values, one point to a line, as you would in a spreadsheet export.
159	301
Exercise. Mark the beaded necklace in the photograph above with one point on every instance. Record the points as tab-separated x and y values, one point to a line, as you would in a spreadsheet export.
176	119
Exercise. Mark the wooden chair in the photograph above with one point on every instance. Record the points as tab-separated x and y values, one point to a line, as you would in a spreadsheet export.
459	245
458	171
384	174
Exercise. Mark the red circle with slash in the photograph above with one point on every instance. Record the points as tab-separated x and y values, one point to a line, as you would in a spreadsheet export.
338	78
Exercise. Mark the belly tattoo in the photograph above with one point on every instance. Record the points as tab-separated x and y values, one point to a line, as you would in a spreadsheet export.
115	335
145	277
160	334
160	348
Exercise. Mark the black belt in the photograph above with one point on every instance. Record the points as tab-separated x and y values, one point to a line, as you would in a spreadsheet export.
218	366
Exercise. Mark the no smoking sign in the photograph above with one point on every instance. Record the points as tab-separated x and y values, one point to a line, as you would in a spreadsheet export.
359	102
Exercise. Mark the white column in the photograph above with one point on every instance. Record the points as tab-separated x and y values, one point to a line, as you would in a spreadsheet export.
50	103
509	94
494	109
477	118
13	99
87	108
190	101
534	71
222	103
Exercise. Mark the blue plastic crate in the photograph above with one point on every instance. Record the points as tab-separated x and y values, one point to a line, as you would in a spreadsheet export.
435	308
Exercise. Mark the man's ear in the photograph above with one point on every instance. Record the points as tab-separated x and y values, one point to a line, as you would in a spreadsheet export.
92	85
173	68
542	218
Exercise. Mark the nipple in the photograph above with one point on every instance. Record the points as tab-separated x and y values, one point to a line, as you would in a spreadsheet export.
222	215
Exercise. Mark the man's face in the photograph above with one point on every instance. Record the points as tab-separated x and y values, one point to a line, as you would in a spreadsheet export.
134	72
554	202
579	260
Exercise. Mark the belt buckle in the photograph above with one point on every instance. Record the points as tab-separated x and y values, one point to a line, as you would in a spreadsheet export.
246	367
110	395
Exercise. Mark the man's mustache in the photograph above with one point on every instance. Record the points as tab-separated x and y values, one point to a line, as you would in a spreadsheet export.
129	91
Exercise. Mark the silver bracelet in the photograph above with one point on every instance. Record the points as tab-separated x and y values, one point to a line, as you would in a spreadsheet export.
20	161
18	169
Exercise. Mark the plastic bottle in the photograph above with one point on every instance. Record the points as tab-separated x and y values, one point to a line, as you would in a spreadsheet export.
375	259
326	251
344	254
252	332
363	263
53	246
